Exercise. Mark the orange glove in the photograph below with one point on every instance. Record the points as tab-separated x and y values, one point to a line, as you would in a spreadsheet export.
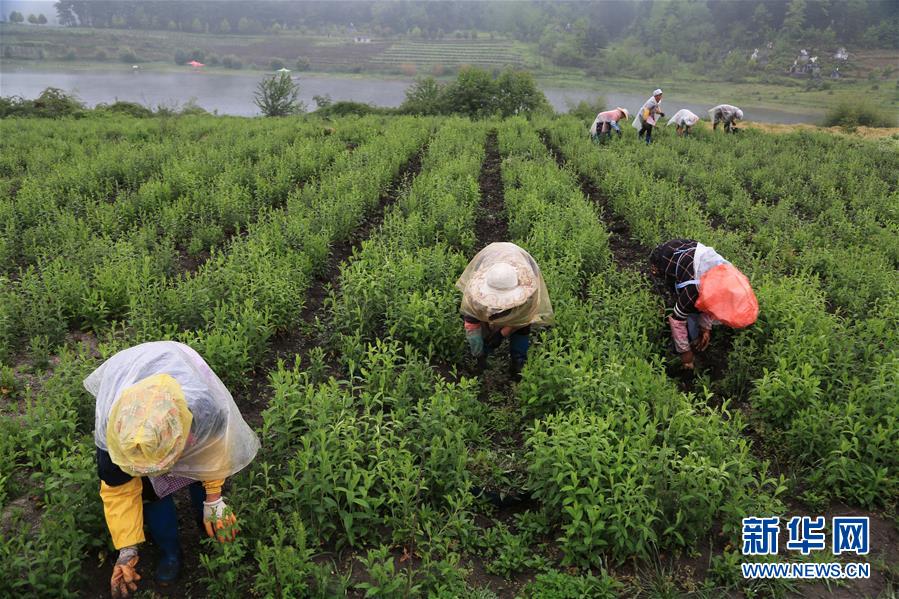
219	524
124	575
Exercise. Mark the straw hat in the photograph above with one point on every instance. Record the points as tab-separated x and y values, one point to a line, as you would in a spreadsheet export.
624	111
503	285
148	426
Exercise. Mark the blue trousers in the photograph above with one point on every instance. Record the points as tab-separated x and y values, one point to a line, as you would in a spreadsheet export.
519	342
693	330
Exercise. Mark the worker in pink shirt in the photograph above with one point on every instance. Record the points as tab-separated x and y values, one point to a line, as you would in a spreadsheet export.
606	121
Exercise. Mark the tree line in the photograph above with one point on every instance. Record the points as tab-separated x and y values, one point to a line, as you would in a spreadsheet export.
17	17
568	31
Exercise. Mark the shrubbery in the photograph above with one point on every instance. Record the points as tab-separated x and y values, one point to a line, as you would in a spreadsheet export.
230	61
586	110
477	94
52	103
859	114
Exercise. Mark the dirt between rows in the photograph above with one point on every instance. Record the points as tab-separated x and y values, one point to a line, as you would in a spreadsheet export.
627	252
492	223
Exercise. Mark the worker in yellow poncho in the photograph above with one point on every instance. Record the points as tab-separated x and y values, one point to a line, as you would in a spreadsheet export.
163	421
503	295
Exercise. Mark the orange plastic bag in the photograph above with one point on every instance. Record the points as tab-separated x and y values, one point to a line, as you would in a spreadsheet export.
725	293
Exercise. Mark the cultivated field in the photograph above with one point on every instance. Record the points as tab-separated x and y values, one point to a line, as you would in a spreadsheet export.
313	268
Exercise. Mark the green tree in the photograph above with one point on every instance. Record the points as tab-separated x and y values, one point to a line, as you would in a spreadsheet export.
41	19
16	17
761	22
32	19
517	93
794	21
224	26
473	93
278	95
423	97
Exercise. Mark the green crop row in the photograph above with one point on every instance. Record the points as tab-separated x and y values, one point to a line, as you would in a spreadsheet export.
371	463
88	278
818	383
621	461
192	194
425	238
43	549
838	220
382	459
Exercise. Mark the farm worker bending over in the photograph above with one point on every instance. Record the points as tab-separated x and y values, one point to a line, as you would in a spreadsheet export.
163	421
606	121
503	294
683	120
646	118
727	114
705	289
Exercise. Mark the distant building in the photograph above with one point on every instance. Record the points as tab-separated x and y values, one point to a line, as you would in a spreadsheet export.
361	40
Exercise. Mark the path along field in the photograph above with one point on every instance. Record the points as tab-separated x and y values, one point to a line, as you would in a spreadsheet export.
312	265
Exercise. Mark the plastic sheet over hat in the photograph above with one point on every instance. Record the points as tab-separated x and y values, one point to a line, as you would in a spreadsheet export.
220	442
726	294
149	426
726	111
684	117
537	310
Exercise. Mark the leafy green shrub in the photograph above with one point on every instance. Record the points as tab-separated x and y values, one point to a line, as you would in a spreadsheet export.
230	61
561	585
477	94
128	56
596	479
858	114
586	110
285	563
278	96
129	108
386	580
51	103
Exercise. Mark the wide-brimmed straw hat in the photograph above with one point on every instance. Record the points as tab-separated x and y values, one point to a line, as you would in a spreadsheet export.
503	285
624	111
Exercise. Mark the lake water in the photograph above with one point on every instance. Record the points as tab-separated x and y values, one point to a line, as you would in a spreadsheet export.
232	93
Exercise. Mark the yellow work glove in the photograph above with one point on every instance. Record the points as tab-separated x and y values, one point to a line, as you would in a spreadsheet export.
124	574
219	520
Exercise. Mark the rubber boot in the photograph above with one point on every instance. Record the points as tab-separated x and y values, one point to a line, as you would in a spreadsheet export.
162	520
515	367
480	364
518	353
